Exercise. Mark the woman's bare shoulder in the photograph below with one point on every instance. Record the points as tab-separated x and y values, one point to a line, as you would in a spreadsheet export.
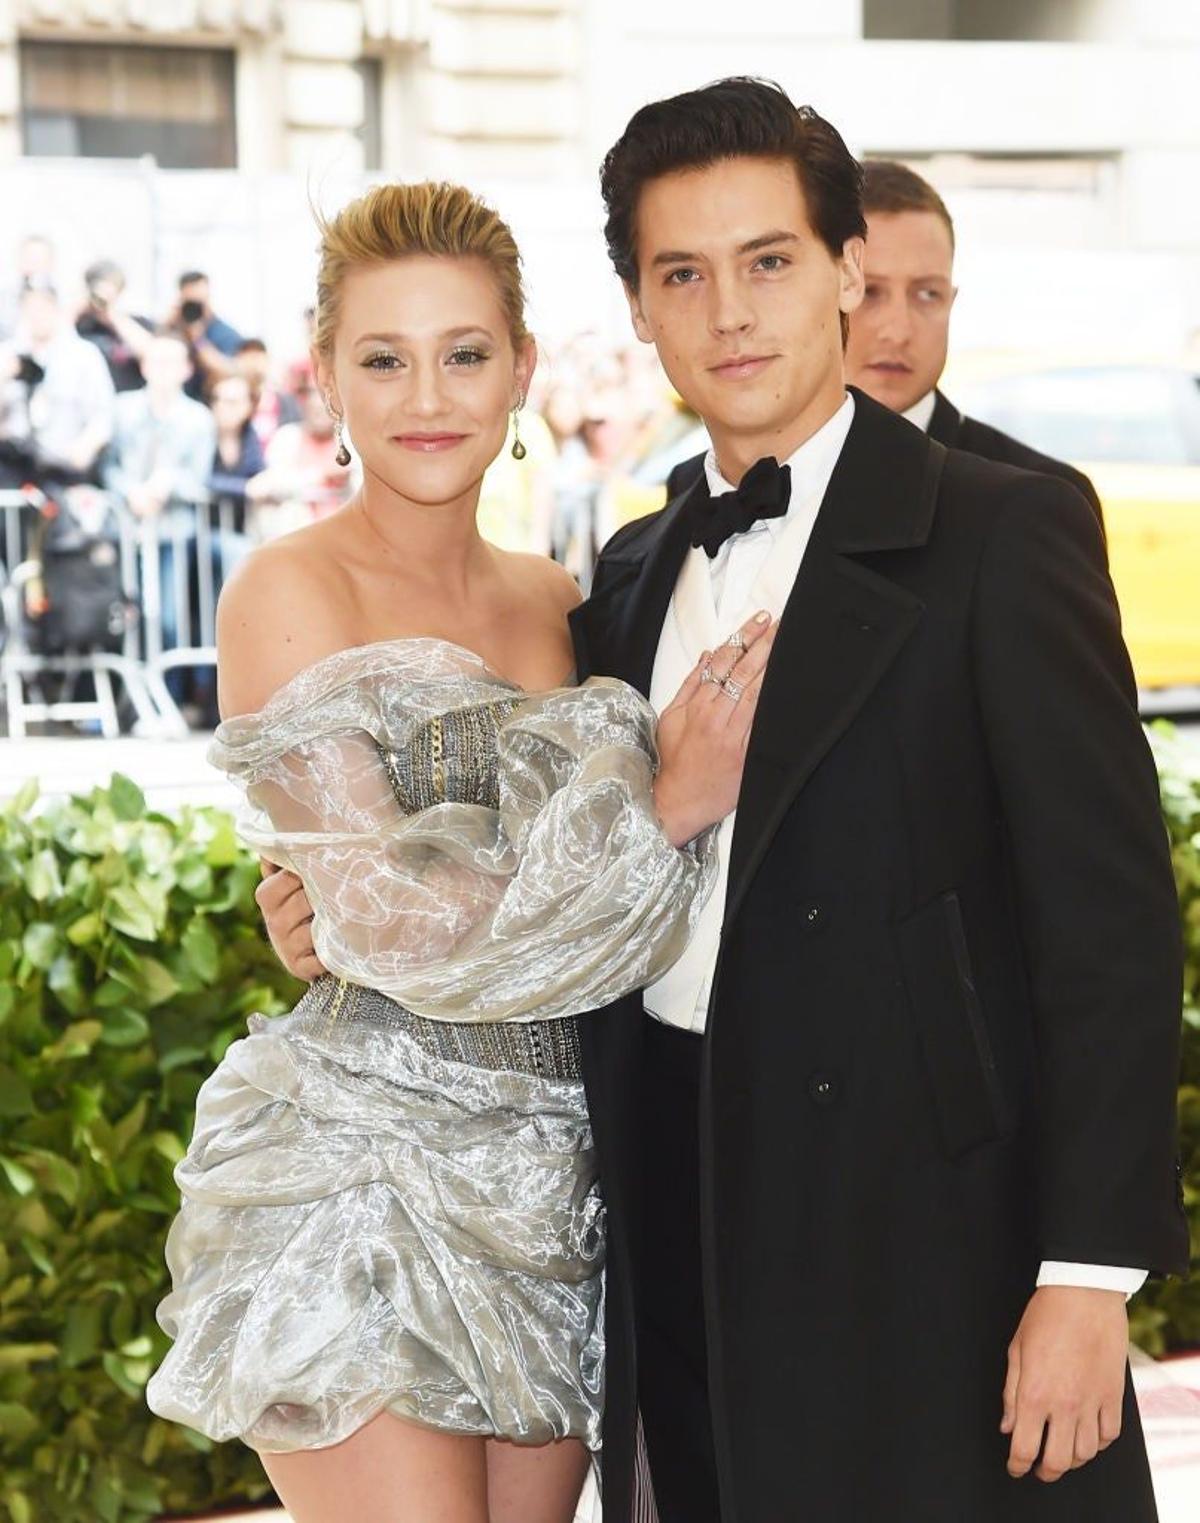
285	606
545	578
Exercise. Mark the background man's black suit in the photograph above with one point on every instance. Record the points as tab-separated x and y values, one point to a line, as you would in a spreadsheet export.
956	431
943	1038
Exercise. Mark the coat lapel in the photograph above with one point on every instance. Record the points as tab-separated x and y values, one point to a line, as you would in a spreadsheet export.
616	631
843	625
946	421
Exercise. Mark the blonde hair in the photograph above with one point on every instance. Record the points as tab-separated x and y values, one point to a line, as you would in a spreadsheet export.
395	221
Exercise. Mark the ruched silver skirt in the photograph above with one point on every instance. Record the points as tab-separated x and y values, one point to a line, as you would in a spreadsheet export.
384	1213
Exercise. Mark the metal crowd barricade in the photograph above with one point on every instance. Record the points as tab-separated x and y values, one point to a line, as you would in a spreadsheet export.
204	544
25	671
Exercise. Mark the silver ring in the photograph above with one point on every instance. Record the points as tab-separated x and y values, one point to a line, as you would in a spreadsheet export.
708	675
737	640
732	689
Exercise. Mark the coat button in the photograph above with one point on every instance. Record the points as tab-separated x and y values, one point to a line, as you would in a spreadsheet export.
822	1089
812	914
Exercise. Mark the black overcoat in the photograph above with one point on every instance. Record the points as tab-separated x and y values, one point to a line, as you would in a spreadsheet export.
956	430
943	1038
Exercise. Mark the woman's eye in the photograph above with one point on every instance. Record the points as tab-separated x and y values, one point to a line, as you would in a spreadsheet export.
468	356
381	362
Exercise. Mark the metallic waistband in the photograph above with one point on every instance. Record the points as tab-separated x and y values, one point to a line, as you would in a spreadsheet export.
543	1049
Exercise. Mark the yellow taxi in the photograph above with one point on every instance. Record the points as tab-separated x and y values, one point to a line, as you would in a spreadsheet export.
1134	429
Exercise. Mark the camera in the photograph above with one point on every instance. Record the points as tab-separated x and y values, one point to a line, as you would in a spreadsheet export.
192	311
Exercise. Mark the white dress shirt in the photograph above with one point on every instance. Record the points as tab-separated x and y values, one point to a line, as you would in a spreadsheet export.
921	413
712	598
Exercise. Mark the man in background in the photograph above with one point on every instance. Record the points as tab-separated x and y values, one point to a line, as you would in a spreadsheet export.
120	337
212	342
56	396
899	335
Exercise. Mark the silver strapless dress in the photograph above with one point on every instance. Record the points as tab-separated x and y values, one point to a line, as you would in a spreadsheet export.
387	1212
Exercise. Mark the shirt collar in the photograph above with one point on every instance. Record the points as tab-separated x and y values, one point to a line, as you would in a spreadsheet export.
811	465
921	413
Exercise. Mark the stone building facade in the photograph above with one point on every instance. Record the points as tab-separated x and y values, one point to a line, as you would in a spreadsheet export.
466	88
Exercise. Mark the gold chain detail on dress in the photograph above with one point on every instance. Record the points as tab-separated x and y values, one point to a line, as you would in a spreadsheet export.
438	751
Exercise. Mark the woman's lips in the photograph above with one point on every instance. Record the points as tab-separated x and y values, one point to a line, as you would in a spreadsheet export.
743	367
428	444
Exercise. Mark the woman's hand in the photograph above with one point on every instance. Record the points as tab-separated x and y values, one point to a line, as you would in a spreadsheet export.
704	732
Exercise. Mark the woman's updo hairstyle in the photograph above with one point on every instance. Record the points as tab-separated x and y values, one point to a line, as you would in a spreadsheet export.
393	221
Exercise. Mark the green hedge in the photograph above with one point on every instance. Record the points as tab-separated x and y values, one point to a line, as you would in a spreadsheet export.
130	955
1166	1315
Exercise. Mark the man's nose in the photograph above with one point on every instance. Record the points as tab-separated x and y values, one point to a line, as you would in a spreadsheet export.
894	319
730	311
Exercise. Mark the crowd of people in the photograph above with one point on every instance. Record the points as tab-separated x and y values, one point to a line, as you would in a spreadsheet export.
185	410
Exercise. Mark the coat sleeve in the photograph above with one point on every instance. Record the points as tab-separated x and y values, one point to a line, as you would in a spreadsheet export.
1092	872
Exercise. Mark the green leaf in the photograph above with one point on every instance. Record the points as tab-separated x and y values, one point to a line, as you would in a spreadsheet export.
16	1097
40	944
223	849
128	800
15	1356
25	797
20	1509
154	981
19	1177
126	910
37	1254
201	948
124	1028
75	1042
42	878
86	930
115	1369
17	1422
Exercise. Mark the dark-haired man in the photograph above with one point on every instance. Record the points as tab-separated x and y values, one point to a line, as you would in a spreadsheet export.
885	1150
900	333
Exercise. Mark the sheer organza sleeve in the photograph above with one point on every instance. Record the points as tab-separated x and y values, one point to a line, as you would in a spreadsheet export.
561	900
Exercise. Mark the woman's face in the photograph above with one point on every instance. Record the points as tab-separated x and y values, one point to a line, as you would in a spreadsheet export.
425	373
231	403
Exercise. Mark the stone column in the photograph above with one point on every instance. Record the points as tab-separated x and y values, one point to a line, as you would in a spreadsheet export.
10	86
322	88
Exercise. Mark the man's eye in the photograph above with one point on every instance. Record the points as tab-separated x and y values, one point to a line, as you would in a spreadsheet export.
682	277
771	262
468	357
930	296
381	362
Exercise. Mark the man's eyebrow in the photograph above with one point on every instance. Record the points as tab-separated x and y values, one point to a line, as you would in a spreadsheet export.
764	240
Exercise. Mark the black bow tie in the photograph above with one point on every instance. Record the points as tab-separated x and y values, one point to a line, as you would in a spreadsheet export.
765	492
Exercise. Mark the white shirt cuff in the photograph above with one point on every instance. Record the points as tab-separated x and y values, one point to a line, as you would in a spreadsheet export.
1093	1276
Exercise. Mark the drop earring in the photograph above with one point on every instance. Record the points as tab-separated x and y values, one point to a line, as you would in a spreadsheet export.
518	449
342	454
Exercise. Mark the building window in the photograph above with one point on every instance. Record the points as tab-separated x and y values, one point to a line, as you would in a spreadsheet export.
987	20
370	133
101	101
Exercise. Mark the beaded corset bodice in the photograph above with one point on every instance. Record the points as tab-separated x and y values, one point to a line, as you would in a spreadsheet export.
451	759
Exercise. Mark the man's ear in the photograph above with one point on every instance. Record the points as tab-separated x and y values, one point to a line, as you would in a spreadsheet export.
640	326
852	283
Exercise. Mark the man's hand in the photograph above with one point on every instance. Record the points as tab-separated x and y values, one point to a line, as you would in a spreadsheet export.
1066	1379
288	915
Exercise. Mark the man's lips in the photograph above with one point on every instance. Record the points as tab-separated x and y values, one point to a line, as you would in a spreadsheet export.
428	444
741	367
890	367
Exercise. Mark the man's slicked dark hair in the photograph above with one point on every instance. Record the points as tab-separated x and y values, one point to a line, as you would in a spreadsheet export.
733	118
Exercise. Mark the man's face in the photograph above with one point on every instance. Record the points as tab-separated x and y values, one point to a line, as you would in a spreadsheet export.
743	302
195	290
41	316
165	365
899	334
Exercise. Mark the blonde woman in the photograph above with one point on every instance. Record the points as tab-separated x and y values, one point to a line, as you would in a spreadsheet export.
387	1267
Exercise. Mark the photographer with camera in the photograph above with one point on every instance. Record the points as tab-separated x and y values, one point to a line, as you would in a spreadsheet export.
56	398
212	342
121	338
